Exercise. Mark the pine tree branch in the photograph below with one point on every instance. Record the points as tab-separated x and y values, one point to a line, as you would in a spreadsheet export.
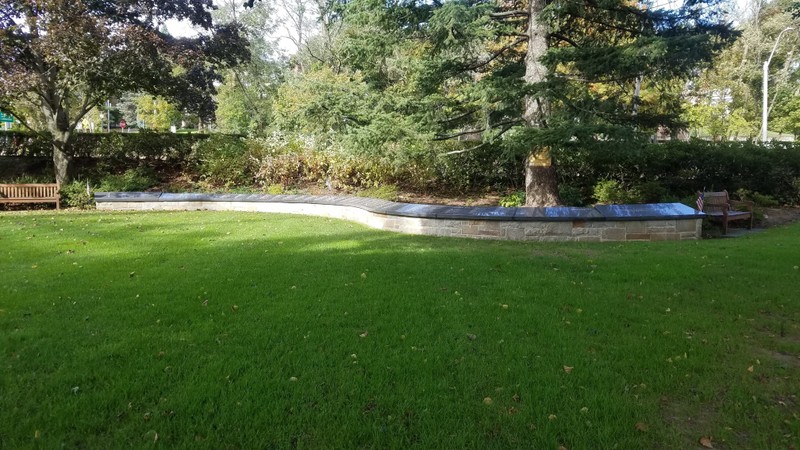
496	55
563	38
460	116
459	134
511	122
509	14
457	152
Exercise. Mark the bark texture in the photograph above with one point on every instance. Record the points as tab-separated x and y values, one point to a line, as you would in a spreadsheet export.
541	179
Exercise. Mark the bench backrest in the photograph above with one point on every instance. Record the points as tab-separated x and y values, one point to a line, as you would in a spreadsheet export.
47	191
716	201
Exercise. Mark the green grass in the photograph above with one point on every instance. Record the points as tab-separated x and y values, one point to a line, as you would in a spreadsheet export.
234	330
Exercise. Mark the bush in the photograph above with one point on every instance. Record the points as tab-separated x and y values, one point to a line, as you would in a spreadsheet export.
611	192
513	199
132	180
223	161
77	195
570	196
650	192
766	201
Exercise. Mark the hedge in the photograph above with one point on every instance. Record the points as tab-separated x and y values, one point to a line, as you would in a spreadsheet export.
656	171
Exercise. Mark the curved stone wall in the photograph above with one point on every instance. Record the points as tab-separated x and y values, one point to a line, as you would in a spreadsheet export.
654	222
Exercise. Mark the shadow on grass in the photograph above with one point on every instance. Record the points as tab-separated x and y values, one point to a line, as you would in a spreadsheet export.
226	330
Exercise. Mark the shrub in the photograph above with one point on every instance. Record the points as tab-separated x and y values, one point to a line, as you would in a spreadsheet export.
513	199
611	191
77	195
132	180
570	196
223	161
650	192
766	201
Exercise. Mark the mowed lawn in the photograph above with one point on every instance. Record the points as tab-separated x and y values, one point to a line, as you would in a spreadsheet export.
236	330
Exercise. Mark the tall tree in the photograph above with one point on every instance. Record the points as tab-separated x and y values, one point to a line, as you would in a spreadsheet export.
245	95
579	65
733	84
529	78
67	56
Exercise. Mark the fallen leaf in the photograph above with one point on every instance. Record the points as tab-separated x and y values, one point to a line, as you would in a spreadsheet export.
641	426
750	369
363	276
706	442
293	379
515	397
584	410
132	274
364	334
488	401
551	417
205	302
234	307
471	337
37	434
504	306
568	369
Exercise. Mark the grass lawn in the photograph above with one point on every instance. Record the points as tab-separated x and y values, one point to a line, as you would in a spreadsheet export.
235	330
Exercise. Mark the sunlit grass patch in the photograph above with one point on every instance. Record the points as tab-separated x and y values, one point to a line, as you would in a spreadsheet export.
233	330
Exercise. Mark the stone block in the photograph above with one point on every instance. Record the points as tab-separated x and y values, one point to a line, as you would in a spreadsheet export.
613	234
635	227
637	237
686	225
548	228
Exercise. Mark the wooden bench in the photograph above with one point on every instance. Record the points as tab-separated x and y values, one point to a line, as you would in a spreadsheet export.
719	207
31	193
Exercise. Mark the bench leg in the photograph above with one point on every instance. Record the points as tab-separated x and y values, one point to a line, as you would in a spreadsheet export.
725	226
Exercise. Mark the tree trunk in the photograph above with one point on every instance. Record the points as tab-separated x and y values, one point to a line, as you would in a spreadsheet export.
62	160
541	180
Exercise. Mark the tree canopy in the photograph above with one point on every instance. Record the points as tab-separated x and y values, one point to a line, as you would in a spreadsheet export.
64	57
523	77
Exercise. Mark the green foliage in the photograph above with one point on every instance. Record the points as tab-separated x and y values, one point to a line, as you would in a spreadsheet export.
759	199
25	143
611	192
513	199
275	189
223	161
75	195
157	113
650	192
682	168
132	180
570	196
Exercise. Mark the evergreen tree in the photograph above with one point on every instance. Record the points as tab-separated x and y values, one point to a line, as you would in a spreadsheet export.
551	75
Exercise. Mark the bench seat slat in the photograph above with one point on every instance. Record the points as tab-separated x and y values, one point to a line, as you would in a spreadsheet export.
31	193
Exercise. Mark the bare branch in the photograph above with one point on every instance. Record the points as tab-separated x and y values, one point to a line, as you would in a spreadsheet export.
507	14
497	54
457	152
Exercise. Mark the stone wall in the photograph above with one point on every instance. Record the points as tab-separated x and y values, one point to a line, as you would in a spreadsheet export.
519	230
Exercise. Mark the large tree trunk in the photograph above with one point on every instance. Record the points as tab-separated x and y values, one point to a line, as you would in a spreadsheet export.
62	160
59	127
541	180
